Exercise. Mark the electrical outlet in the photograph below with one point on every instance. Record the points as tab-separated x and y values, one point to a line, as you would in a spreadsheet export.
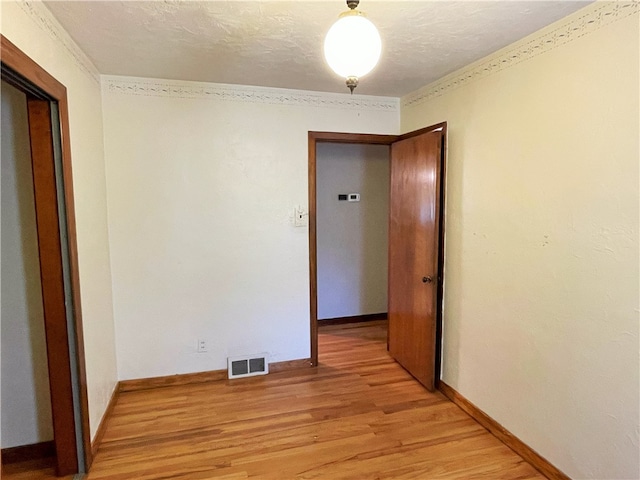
202	346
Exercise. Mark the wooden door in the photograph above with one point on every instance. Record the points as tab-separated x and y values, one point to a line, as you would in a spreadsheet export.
414	237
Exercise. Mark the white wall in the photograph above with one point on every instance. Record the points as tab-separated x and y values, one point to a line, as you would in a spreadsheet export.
202	182
30	26
26	403
352	237
541	303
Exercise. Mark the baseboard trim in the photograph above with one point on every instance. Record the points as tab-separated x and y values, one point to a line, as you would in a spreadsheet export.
97	439
24	453
370	317
277	367
201	377
172	380
505	436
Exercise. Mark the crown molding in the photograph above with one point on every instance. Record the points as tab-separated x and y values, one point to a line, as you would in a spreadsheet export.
41	15
583	22
241	93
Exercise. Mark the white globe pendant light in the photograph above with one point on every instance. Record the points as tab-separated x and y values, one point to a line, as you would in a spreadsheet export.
352	46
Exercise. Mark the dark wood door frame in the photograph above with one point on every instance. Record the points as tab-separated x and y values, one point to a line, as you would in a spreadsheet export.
314	139
44	93
367	139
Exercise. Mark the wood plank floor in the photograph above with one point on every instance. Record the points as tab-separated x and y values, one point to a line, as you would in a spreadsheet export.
41	469
358	415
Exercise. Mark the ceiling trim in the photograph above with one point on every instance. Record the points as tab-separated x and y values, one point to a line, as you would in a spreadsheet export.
41	15
583	22
242	93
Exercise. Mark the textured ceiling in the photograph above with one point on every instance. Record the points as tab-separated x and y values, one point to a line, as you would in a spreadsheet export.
279	44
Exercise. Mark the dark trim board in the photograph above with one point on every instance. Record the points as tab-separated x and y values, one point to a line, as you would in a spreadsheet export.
25	453
370	317
171	380
366	138
505	436
313	139
97	439
200	377
278	367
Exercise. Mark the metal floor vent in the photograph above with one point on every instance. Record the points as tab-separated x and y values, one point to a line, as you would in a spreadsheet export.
248	365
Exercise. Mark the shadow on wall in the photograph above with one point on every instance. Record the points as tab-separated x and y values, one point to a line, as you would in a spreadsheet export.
375	226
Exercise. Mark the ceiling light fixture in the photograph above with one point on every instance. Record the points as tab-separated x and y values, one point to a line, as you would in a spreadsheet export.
352	46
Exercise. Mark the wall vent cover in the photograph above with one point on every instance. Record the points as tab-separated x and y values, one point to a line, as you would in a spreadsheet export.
248	365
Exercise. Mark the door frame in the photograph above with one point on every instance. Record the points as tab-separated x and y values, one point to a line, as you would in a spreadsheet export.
367	139
43	91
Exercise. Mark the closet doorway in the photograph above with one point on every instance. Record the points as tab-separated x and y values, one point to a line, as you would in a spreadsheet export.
48	118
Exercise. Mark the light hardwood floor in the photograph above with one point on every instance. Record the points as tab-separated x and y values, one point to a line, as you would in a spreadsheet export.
41	469
358	415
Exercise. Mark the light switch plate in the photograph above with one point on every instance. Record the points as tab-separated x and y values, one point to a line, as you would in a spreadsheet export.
300	217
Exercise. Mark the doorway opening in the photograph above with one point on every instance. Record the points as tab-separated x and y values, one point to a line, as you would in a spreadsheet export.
352	215
417	162
49	142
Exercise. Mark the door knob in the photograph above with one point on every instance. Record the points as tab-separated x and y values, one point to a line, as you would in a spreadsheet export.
427	279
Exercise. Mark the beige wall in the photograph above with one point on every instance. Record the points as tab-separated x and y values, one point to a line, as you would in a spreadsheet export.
352	237
202	181
26	404
541	301
30	26
541	295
